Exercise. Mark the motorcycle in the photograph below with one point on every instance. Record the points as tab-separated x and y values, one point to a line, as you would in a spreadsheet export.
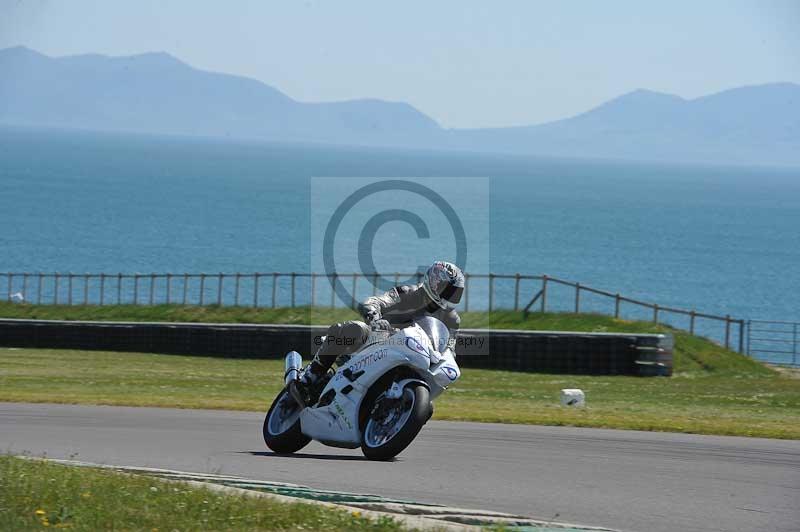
377	399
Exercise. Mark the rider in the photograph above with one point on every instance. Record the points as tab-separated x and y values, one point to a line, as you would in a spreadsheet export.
437	295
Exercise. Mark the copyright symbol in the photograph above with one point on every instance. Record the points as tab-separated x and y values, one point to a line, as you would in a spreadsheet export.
370	229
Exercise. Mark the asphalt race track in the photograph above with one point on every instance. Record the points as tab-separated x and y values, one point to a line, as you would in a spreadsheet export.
618	479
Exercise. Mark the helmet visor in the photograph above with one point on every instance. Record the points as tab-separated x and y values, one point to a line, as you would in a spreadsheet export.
452	293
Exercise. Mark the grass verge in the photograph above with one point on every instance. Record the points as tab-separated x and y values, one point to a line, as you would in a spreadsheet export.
713	391
37	494
697	401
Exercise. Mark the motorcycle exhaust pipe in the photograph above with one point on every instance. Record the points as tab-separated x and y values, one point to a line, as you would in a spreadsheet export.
293	364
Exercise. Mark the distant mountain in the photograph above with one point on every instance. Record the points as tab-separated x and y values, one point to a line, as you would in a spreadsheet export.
757	124
157	93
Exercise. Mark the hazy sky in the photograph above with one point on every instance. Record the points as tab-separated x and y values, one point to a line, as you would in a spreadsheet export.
466	64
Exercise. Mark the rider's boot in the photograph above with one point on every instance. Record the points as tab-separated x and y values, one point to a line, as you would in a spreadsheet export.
306	390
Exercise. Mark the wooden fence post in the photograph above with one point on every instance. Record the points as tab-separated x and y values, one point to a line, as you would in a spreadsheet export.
544	293
491	292
727	331
741	335
749	335
466	292
256	276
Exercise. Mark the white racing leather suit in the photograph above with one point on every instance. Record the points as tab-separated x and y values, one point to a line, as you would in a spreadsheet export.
399	306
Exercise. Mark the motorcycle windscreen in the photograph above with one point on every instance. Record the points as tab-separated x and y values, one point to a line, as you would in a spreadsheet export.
436	331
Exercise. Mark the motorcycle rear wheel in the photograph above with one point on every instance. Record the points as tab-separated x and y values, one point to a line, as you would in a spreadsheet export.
386	438
281	428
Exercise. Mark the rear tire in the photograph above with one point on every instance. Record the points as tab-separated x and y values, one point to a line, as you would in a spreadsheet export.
418	416
288	440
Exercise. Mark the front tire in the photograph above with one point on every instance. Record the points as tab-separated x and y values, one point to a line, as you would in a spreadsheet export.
281	428
388	436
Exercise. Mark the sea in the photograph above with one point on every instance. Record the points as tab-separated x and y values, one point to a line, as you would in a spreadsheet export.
721	240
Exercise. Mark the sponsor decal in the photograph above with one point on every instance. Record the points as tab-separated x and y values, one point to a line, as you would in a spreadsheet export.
366	360
340	411
414	345
451	373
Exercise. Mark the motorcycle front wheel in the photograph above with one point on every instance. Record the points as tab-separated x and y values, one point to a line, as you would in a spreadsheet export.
394	423
281	427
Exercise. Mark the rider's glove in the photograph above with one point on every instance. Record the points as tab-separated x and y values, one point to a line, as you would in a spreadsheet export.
372	315
381	325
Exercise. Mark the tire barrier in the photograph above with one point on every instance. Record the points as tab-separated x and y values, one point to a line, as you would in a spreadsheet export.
529	351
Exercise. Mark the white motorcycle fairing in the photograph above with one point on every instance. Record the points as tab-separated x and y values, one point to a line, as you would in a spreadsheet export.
337	422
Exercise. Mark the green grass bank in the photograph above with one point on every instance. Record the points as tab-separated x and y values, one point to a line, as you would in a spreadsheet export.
35	494
713	391
691	352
